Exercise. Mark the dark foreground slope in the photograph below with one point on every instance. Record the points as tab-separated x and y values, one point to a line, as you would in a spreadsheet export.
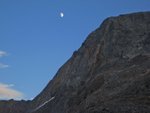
110	73
12	106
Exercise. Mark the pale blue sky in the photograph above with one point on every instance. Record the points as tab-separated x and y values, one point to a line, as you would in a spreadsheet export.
35	41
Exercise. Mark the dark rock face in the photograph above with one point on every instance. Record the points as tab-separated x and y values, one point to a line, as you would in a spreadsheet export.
110	73
12	106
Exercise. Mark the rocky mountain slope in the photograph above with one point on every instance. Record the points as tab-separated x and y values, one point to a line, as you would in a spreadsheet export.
109	73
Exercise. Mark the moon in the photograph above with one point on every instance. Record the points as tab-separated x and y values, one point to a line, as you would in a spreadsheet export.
61	14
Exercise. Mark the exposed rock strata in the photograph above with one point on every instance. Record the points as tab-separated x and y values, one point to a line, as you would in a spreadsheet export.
110	73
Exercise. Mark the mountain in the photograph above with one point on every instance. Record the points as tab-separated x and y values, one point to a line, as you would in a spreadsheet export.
109	73
12	106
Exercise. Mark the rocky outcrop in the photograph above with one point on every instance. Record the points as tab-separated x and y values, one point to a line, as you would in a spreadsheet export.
110	73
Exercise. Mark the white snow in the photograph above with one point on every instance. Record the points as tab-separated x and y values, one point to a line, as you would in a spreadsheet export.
43	104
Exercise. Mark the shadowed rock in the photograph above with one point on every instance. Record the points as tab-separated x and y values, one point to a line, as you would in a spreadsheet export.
109	73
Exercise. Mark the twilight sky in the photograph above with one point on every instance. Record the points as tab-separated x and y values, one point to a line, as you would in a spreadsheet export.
38	36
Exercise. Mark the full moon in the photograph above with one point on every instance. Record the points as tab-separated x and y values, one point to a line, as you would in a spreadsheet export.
61	14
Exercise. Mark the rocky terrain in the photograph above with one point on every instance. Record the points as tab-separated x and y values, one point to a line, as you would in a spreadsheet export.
13	106
109	73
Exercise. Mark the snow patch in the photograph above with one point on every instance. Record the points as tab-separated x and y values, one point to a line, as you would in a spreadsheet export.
40	106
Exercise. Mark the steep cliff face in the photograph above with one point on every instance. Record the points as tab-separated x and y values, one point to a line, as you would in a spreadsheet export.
110	73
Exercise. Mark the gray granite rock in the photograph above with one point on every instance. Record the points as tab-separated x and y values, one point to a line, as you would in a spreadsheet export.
109	73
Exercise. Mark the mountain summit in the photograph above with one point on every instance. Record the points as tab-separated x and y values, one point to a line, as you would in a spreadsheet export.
109	73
